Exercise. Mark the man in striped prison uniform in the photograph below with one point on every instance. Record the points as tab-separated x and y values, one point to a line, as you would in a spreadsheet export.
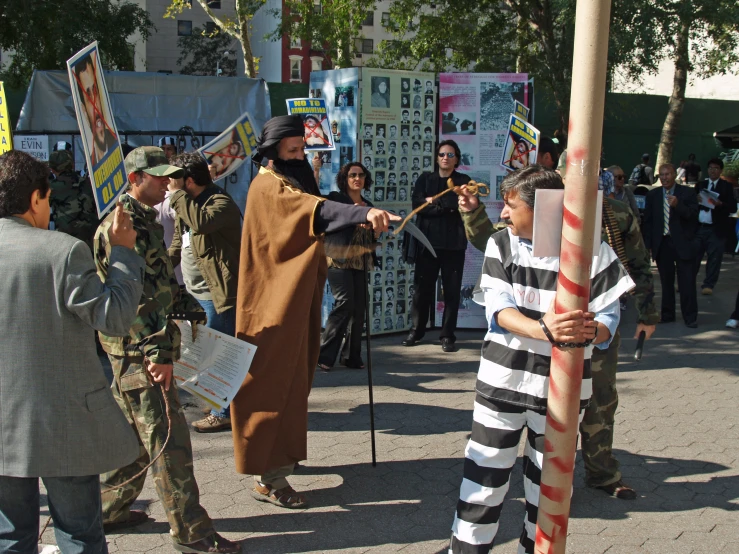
518	291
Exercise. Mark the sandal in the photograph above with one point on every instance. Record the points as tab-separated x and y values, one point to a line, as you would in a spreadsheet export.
619	489
285	497
324	367
352	364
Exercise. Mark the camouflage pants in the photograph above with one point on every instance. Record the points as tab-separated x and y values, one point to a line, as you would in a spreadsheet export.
174	479
596	429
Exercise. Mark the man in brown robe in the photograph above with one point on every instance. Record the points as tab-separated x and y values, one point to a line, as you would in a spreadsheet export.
281	279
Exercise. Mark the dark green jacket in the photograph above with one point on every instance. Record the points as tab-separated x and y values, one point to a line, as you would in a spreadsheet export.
215	224
479	228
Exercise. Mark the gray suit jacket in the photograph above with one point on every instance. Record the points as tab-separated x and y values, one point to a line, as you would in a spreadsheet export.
58	416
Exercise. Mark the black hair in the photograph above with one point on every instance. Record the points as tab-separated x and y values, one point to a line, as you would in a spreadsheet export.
342	177
195	166
79	67
525	182
457	151
548	146
20	175
716	161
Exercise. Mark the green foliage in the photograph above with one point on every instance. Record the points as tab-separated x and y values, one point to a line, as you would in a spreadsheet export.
202	53
331	28
44	34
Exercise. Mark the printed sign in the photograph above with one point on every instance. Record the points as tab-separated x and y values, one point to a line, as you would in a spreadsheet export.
99	135
35	145
521	111
228	151
6	139
521	146
318	135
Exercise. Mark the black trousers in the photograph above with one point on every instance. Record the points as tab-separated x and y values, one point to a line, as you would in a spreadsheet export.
451	264
347	317
709	241
669	264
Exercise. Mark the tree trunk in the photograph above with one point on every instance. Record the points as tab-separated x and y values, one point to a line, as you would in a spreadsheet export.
245	39
677	100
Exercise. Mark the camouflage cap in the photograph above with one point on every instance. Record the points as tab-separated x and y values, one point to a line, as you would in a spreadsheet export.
151	160
61	160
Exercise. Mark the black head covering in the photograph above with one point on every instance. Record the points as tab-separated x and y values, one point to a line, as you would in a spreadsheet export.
274	131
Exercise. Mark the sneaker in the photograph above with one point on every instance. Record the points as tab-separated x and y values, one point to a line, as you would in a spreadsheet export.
213	543
706	291
212	424
732	323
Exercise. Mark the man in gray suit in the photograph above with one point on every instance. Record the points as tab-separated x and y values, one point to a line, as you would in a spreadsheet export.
59	419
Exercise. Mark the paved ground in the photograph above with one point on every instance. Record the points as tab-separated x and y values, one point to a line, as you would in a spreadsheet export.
676	436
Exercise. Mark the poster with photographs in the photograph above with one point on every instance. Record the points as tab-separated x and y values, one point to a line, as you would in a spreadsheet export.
340	89
397	137
313	111
521	145
475	111
229	150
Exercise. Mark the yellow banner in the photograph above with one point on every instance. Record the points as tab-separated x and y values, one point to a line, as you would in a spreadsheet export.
6	137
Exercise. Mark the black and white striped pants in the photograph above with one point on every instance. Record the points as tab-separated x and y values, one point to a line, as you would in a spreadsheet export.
489	457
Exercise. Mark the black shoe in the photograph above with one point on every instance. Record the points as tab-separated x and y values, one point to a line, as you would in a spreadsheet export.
135	517
692	324
411	340
667	320
213	543
447	345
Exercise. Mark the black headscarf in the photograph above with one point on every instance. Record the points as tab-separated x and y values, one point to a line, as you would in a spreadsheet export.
299	172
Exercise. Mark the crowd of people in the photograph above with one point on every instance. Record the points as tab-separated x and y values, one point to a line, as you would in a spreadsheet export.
261	279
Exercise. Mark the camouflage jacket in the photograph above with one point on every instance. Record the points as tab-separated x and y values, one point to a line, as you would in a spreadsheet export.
479	228
73	206
151	332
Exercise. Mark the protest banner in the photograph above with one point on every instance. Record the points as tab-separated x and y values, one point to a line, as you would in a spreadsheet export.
213	365
99	135
521	111
229	150
34	145
474	112
318	135
521	146
6	138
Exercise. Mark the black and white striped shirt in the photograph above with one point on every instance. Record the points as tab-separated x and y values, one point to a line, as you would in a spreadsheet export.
513	368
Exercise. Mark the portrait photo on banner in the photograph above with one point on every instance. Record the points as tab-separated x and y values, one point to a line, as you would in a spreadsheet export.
521	146
229	150
318	134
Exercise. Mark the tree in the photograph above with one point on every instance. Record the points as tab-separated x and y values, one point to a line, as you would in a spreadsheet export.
700	37
203	53
531	36
44	34
331	26
238	28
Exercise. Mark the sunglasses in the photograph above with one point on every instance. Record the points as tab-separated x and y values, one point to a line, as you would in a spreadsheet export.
356	176
447	154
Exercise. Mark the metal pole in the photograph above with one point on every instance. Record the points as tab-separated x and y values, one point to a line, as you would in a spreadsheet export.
583	157
369	360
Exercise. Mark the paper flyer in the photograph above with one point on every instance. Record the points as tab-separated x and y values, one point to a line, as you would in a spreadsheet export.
705	195
214	365
398	140
100	140
229	150
475	109
6	138
521	146
313	111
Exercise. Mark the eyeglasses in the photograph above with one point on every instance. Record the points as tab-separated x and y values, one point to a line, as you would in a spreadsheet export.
447	154
619	177
356	175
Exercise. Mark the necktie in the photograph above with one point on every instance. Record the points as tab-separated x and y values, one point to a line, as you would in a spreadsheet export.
665	216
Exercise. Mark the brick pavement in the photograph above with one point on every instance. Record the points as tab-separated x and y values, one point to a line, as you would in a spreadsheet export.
676	436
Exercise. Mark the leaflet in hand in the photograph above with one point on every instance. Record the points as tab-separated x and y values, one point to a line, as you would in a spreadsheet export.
214	365
705	195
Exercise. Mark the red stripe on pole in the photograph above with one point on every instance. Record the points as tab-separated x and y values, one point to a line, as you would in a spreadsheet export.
572	287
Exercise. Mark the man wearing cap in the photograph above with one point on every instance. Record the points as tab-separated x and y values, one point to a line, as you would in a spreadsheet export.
168	146
282	273
72	204
142	372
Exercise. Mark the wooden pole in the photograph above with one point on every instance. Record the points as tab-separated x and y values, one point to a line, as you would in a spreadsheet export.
576	258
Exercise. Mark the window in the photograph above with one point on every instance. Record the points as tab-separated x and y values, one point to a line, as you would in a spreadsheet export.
316	63
369	19
385	19
184	28
296	44
295	69
214	4
210	27
317	8
368	46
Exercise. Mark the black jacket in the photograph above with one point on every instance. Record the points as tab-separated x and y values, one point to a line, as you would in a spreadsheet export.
440	221
723	225
683	221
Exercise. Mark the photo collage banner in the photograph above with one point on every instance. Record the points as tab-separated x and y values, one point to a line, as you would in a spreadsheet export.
397	142
475	110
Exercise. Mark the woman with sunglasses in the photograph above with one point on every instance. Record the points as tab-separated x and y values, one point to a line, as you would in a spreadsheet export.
443	226
346	275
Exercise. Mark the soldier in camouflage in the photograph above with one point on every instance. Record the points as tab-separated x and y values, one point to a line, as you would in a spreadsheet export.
72	203
142	370
621	231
